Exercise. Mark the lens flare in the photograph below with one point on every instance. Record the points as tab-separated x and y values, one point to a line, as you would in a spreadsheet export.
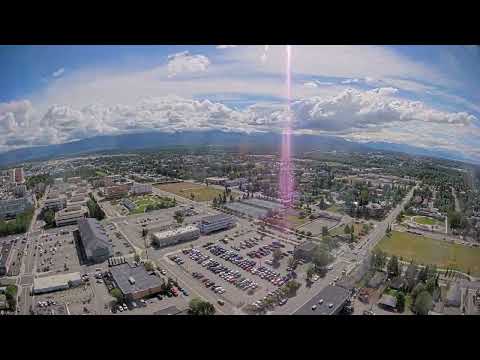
286	176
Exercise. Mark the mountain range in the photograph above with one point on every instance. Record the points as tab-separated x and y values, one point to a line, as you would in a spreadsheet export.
244	142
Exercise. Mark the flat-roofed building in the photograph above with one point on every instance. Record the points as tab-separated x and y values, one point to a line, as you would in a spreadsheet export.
139	189
70	215
56	282
74	180
19	176
10	208
116	191
135	282
213	223
55	202
172	237
94	240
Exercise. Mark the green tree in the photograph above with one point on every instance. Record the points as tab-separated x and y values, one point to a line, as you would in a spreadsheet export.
200	307
393	267
321	258
117	294
149	266
400	301
423	303
346	230
324	231
49	218
276	255
11	296
192	196
291	288
178	216
136	258
417	290
310	272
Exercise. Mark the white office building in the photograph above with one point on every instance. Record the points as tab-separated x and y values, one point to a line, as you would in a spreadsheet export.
70	215
55	202
172	237
56	282
212	223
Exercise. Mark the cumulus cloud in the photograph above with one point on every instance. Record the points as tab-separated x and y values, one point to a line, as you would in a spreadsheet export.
226	46
310	84
184	63
58	73
359	115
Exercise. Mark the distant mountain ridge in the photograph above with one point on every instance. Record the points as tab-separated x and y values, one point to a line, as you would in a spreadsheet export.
128	142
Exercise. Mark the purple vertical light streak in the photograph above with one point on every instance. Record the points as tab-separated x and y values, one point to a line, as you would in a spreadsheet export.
286	177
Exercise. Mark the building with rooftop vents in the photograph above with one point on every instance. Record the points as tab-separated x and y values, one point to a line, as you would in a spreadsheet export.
213	223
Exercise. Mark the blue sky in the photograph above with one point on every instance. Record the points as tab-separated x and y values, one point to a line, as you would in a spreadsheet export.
362	93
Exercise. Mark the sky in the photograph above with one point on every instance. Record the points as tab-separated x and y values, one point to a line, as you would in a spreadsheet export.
423	96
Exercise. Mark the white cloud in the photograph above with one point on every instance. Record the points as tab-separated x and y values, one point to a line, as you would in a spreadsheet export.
184	63
58	73
350	81
358	115
226	46
311	84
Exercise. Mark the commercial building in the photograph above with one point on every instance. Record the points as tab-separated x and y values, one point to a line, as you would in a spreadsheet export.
10	208
6	257
240	208
70	215
56	282
135	282
116	191
305	251
172	237
329	301
212	223
139	189
388	302
94	241
129	204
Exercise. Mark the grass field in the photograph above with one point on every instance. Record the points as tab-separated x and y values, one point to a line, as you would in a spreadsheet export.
295	221
143	201
424	220
200	192
335	209
425	250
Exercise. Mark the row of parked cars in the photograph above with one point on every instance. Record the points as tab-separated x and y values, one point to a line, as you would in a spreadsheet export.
249	265
232	276
266	250
209	284
176	259
276	295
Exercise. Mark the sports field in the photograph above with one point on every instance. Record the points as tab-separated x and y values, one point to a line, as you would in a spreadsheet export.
200	192
425	250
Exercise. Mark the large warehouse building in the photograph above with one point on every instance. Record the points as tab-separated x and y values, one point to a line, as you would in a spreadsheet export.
94	240
212	223
172	237
135	282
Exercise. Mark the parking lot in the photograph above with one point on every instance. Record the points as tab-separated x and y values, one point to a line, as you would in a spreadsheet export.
56	252
120	245
236	265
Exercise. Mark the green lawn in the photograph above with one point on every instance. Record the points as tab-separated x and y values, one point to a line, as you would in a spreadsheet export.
143	201
425	250
185	189
424	220
296	221
100	173
335	209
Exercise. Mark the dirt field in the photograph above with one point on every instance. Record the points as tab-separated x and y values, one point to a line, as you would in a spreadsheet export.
185	189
